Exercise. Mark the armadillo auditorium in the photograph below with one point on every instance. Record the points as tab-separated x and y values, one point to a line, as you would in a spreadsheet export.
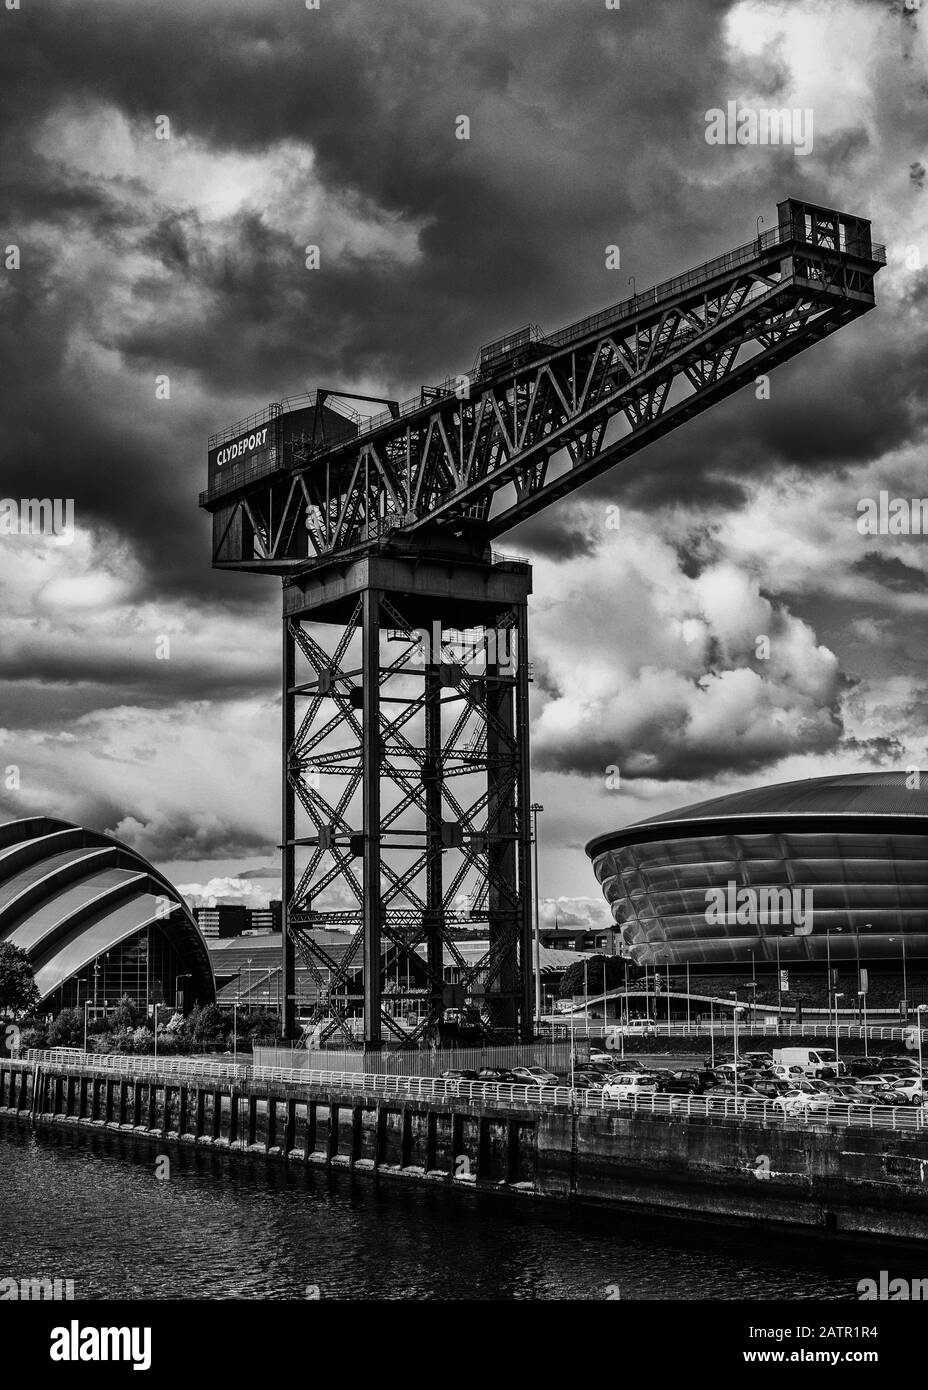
800	874
97	920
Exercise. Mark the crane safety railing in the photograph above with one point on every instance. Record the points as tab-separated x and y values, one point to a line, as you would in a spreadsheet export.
491	356
816	1113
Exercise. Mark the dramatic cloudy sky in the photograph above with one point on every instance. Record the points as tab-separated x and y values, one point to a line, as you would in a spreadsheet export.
141	258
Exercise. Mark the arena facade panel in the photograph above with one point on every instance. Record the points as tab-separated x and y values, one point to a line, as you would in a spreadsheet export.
797	874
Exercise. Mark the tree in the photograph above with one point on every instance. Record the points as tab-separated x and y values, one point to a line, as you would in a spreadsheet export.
67	1030
206	1024
125	1015
572	980
18	991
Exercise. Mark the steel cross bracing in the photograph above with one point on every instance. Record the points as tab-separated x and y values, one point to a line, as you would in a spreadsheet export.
450	823
556	412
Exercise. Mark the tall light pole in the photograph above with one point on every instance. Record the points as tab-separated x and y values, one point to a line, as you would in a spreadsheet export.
735	1012
687	996
586	996
905	986
837	997
535	808
921	1009
754	990
248	961
779	985
186	976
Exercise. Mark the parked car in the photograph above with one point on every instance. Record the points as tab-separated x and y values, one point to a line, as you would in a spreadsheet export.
907	1064
680	1083
458	1074
627	1085
847	1093
863	1066
772	1089
729	1088
912	1087
534	1076
589	1081
883	1094
787	1073
602	1059
499	1075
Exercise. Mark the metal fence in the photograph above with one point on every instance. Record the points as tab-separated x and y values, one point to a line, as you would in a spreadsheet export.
555	1056
771	1113
846	1031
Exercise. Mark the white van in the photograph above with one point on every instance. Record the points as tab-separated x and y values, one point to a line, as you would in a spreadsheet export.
815	1061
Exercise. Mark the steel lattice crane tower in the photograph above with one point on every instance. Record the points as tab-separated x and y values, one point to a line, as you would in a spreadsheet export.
405	653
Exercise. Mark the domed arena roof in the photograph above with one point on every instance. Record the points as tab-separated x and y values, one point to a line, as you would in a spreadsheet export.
68	894
855	794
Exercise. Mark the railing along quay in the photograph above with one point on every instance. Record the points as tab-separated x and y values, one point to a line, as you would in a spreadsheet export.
768	1112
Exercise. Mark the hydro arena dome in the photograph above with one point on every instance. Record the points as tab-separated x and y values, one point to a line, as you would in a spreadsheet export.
836	868
96	920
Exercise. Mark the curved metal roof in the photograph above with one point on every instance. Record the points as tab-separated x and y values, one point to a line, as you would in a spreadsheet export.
67	894
870	794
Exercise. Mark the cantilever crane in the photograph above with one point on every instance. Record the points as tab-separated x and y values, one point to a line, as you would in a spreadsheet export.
406	772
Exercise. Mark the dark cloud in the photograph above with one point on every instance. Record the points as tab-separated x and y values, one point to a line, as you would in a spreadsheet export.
892	572
587	129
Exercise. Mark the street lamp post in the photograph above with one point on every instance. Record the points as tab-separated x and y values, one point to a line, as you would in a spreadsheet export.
186	976
735	1012
753	991
779	985
921	1009
86	1007
535	808
586	996
837	997
687	996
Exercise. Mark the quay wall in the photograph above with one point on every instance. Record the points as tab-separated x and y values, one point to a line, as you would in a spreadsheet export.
843	1180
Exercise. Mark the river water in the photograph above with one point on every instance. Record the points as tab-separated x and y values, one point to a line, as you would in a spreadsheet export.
89	1207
